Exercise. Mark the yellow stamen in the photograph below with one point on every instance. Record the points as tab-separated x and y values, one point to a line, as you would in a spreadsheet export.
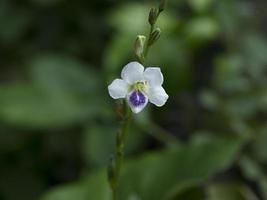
139	86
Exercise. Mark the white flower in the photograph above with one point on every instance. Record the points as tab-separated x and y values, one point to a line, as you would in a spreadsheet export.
138	86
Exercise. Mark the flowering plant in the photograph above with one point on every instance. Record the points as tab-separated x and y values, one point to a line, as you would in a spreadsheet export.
138	86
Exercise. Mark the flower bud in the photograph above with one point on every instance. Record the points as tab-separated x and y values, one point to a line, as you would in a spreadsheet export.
153	15
139	45
162	5
154	36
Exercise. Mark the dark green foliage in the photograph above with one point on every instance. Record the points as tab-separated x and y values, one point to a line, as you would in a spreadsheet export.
58	125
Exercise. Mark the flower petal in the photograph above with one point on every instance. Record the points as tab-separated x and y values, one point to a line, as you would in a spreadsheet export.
157	96
154	76
132	72
118	89
137	101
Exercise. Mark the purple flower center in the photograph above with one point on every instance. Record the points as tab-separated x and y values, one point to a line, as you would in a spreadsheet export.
137	98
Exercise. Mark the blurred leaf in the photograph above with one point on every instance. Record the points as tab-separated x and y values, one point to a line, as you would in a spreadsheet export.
116	55
182	165
99	143
230	192
47	2
242	106
228	15
142	177
59	74
64	92
250	168
19	183
254	49
173	57
209	99
202	28
96	187
263	187
75	191
187	193
229	74
259	145
14	21
254	45
254	172
132	19
200	5
24	105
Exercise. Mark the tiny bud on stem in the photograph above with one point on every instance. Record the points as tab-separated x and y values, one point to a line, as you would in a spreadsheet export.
139	46
153	15
155	35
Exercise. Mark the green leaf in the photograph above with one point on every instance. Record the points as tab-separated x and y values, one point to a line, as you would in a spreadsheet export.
230	191
259	146
14	21
200	5
68	192
187	193
254	49
190	164
64	92
202	28
228	73
98	143
95	187
64	75
253	171
24	105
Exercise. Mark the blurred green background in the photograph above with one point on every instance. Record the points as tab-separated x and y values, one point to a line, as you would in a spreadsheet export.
58	124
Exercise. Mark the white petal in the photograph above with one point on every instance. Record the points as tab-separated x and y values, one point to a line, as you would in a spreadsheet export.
118	89
132	72
154	76
137	106
157	96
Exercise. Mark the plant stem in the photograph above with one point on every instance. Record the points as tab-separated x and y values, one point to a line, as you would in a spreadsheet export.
120	146
152	27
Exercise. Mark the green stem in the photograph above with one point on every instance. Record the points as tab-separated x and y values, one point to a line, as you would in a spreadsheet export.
120	146
152	27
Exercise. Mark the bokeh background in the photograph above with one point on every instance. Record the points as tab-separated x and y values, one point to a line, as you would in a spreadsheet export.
58	124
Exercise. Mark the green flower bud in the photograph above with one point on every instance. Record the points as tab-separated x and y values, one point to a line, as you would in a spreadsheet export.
153	15
155	35
139	45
